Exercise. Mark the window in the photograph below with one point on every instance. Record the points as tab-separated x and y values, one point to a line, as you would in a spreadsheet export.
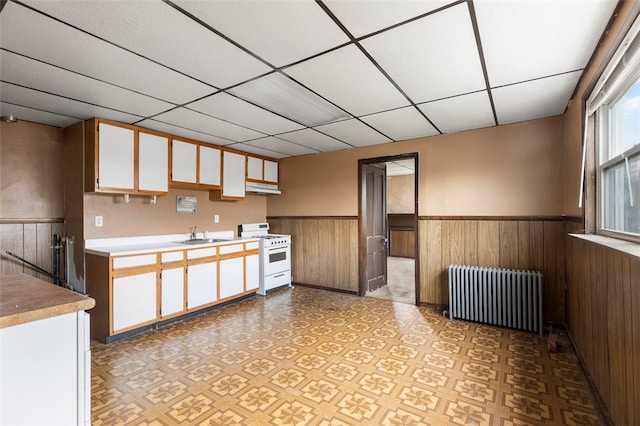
619	165
615	104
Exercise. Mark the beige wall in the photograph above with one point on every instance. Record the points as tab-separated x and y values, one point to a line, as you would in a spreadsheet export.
140	217
515	169
400	194
30	171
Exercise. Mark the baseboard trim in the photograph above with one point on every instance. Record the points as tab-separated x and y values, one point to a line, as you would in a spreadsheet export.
601	407
321	287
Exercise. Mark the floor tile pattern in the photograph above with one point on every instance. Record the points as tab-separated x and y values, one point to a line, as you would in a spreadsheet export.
309	357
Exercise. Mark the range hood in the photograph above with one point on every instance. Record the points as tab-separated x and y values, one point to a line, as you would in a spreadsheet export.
262	188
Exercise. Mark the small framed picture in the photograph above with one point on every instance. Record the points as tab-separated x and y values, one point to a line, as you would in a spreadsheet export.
186	204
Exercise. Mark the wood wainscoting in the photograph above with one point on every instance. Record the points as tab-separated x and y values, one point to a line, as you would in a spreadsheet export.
325	252
526	243
603	319
31	239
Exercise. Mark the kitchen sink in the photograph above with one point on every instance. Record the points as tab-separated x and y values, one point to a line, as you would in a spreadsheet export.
203	241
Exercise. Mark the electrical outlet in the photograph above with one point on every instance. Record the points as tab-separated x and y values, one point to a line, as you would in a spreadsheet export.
216	218
98	221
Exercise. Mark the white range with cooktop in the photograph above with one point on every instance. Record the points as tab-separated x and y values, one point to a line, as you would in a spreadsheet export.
275	255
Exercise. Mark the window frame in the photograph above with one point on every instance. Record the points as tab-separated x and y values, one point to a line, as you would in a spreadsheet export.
603	145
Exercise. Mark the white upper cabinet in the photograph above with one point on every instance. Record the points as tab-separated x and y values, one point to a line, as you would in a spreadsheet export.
195	165
270	171
261	169
116	154
233	174
153	163
184	158
254	168
122	159
209	165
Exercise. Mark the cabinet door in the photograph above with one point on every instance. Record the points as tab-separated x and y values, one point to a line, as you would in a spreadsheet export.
115	157
134	300
271	171
201	284
153	163
254	168
233	174
209	166
183	161
231	277
252	272
172	292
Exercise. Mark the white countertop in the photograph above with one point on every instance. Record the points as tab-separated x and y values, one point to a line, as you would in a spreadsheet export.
155	243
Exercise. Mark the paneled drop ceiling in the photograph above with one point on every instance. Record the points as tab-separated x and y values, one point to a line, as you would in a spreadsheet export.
284	78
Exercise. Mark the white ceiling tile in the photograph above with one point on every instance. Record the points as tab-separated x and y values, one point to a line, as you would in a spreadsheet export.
230	108
278	145
37	75
314	139
534	99
36	116
203	123
523	40
401	167
401	124
350	80
472	111
354	133
365	17
34	35
280	94
280	32
258	151
160	32
182	132
431	58
47	102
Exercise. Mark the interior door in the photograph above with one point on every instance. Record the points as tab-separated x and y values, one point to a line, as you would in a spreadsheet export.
376	225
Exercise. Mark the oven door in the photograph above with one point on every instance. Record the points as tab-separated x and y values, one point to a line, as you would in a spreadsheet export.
277	259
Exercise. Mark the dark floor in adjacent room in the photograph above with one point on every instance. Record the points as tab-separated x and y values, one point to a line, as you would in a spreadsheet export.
310	357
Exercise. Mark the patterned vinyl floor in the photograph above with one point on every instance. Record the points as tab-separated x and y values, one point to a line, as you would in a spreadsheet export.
309	357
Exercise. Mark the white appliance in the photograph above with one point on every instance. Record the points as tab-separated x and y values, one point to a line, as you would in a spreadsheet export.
275	255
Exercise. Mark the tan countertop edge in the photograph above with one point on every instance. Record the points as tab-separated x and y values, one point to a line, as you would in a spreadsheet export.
24	298
626	247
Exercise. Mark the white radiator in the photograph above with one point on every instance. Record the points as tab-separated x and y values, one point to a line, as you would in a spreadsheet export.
503	297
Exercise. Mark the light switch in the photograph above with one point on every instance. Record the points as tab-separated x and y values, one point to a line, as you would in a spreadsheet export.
98	220
216	218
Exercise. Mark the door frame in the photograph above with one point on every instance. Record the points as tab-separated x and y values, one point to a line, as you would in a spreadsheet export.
362	212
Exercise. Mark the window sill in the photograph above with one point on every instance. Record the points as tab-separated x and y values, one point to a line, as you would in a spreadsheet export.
623	246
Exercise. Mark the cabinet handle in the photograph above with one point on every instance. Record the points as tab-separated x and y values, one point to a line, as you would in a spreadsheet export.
278	276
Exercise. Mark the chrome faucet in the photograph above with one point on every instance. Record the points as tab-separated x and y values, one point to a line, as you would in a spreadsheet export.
193	233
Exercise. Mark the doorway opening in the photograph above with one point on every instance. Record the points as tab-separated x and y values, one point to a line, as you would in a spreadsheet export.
388	228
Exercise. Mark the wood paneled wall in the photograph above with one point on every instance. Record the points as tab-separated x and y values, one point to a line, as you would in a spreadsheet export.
32	240
519	243
325	252
603	291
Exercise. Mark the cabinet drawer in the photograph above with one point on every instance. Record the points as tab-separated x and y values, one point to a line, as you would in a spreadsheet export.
231	248
130	261
172	256
277	280
255	245
205	252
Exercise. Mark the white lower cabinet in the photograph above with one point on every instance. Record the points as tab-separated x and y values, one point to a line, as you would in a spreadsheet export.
46	372
171	292
201	284
231	277
252	272
134	300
